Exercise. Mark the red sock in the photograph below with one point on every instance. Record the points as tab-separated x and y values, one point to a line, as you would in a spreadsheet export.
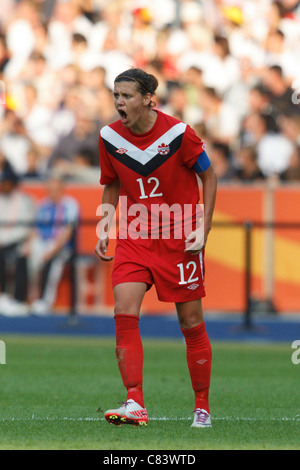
199	358
129	353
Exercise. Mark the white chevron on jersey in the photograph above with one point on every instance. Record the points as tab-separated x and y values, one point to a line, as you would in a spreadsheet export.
142	156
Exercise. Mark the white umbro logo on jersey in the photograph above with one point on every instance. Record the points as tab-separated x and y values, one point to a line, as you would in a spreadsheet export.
121	151
193	286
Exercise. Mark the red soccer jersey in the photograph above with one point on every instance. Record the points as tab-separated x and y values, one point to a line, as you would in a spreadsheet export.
155	168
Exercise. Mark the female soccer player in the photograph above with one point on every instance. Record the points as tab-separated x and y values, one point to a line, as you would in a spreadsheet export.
151	160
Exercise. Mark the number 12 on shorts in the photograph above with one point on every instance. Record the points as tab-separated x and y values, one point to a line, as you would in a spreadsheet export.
187	272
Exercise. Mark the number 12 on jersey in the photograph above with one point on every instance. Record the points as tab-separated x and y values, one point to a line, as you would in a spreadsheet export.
153	192
188	270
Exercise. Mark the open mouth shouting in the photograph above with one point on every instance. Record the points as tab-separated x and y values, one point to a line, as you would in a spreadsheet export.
123	116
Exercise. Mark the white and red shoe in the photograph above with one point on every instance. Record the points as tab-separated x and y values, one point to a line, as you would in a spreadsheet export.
129	413
201	419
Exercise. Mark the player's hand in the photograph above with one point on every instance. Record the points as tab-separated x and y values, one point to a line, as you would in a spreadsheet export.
195	242
101	249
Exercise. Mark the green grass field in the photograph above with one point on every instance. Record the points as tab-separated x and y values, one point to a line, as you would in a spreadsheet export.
52	387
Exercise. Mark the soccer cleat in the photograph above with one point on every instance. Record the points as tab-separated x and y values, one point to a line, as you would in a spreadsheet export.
201	419
129	413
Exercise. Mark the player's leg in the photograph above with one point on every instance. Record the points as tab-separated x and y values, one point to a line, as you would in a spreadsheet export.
128	297
129	353
199	357
129	348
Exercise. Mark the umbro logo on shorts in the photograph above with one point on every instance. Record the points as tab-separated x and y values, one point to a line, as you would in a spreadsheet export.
193	286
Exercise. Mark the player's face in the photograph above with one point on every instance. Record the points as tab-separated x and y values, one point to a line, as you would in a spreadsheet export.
130	103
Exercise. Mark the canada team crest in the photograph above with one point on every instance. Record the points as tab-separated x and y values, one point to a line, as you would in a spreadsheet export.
163	149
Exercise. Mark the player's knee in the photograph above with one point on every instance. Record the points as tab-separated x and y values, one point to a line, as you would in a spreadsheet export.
188	323
119	309
125	309
190	319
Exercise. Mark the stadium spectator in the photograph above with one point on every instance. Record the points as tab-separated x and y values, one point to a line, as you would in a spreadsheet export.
259	100
54	242
81	55
64	118
143	36
4	53
37	120
40	76
279	54
192	80
94	79
2	162
276	14
179	107
83	135
81	169
34	169
105	110
17	215
41	40
292	173
222	70
273	149
221	160
221	119
19	35
281	94
67	20
247	169
290	127
15	142
69	46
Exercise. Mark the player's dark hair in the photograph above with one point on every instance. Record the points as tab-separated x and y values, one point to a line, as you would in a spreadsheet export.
146	82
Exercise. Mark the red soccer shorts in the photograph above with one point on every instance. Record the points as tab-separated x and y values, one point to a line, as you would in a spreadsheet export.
178	276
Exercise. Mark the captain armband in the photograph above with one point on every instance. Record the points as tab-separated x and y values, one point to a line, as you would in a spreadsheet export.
203	163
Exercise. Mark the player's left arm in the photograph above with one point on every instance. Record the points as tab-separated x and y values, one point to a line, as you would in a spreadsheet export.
206	173
209	188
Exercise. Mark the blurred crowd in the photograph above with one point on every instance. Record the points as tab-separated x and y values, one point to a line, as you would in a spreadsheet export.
229	68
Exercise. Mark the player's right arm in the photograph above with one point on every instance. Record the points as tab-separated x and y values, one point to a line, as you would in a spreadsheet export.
110	199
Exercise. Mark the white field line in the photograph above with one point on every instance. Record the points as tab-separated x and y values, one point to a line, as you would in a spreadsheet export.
164	418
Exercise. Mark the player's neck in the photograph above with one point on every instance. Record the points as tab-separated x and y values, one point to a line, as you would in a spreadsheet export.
145	123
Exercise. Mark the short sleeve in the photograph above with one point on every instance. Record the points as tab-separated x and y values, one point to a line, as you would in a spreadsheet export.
107	172
192	147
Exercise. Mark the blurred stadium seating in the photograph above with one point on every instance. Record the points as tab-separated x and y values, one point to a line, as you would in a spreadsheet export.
231	69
